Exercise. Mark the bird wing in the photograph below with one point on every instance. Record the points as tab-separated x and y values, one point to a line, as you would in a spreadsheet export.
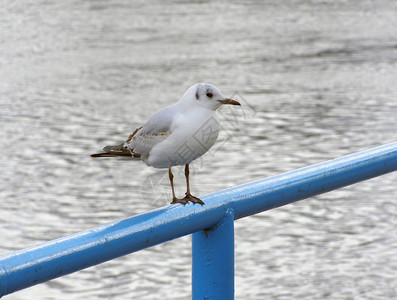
139	143
156	129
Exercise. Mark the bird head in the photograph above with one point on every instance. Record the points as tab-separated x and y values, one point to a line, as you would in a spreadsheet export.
207	95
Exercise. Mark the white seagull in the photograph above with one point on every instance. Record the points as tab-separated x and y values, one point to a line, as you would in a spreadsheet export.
176	135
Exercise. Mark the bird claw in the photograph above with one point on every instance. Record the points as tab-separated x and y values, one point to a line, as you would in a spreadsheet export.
188	198
193	199
176	200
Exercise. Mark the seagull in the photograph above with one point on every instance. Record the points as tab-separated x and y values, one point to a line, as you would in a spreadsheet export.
176	135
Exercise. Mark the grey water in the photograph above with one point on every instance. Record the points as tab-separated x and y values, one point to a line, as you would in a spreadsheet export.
317	80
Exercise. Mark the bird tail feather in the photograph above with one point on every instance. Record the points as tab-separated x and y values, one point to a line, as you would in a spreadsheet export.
111	151
119	150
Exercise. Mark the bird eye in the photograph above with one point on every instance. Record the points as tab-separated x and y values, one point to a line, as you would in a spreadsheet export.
209	95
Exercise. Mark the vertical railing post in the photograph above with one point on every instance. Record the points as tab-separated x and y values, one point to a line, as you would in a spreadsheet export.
213	261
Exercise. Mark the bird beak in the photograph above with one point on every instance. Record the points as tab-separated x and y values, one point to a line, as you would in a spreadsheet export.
229	101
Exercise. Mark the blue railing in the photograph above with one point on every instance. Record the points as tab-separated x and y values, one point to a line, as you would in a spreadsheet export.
212	226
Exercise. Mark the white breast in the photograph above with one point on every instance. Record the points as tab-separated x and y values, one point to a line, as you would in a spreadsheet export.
193	133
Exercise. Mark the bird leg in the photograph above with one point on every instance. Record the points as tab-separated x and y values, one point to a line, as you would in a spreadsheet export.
174	198
188	197
171	176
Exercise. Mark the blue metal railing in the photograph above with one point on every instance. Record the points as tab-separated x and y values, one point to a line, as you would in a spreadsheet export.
212	225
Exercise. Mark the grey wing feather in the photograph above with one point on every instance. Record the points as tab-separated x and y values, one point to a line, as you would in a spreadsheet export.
154	131
144	138
159	121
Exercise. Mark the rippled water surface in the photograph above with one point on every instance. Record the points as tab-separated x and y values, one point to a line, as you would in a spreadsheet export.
317	80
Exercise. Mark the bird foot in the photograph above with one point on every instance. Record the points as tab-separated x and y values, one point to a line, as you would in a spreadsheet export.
187	198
